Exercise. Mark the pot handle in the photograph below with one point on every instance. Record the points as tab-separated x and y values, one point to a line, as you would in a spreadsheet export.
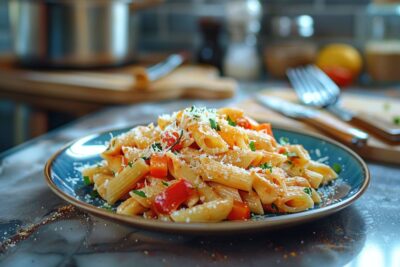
142	4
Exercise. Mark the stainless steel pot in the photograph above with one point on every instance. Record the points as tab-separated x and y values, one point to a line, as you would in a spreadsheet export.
72	33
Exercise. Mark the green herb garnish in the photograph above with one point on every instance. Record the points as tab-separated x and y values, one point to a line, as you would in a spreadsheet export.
156	147
214	125
266	166
252	146
291	154
94	194
337	167
231	122
145	158
139	193
86	180
165	183
308	191
283	141
130	164
191	108
396	120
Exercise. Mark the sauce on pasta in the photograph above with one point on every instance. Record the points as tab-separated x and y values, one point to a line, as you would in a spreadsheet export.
206	165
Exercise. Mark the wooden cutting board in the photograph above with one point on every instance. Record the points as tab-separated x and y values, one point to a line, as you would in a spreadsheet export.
381	107
115	86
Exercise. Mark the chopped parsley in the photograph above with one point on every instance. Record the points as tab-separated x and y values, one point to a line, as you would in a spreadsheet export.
139	193
231	122
252	146
266	166
130	164
214	125
337	167
191	109
308	191
86	180
283	141
94	194
291	154
164	183
145	158
156	147
396	120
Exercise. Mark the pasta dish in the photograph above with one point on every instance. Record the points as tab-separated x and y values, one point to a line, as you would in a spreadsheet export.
206	165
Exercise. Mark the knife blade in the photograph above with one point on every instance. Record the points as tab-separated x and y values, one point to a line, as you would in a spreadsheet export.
341	131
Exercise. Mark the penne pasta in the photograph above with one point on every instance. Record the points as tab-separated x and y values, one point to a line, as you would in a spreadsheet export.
214	211
126	180
205	165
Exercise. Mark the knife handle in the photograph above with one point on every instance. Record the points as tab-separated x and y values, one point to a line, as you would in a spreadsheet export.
341	131
377	126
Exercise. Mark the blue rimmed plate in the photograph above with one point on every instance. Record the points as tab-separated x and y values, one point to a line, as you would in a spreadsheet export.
62	173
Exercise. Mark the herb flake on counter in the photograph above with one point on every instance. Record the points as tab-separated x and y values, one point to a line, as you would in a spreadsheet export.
337	168
164	183
139	193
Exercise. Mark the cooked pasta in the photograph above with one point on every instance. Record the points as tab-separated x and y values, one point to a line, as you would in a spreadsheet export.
206	165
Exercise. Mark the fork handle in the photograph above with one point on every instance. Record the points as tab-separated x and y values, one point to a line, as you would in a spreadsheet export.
338	129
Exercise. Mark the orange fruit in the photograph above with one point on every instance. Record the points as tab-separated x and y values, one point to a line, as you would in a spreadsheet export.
340	55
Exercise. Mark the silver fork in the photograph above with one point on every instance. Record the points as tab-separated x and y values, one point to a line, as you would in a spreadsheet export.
315	88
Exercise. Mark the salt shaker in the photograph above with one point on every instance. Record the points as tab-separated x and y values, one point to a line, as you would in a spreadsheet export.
242	60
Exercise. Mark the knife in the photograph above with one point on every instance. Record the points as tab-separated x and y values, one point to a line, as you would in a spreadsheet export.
341	131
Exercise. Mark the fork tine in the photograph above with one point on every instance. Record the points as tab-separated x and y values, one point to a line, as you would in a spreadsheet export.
297	86
325	94
329	85
312	91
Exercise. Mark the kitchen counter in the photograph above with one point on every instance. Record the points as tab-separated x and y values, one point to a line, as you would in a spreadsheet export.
37	228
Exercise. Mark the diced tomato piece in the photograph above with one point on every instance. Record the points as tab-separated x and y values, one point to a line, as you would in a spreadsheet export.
265	127
172	197
243	122
158	166
282	150
170	139
240	211
140	184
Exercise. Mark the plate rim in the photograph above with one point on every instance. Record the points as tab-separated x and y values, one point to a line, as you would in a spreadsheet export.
219	227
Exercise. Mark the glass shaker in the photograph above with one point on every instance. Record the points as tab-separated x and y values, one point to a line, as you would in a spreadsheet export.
243	21
382	49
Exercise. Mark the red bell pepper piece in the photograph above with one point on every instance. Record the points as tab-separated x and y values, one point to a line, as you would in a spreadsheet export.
172	197
240	211
158	166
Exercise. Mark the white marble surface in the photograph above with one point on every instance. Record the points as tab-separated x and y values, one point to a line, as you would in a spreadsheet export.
365	234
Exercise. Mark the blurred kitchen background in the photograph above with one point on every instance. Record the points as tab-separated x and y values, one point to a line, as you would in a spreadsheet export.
250	40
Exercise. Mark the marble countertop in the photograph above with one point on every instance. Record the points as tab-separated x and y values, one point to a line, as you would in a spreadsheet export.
37	228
